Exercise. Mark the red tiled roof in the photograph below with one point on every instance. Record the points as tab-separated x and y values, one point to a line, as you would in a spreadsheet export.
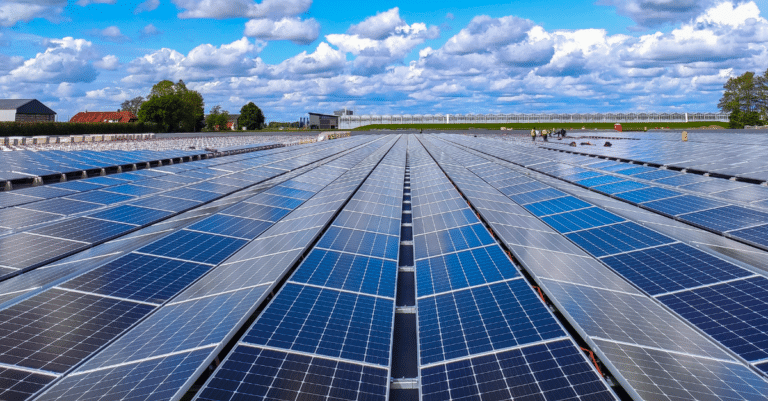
104	116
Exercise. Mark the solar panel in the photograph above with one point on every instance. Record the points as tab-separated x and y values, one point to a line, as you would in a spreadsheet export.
194	246
132	190
192	194
231	226
757	235
56	329
452	240
17	249
463	269
139	277
581	219
551	371
131	215
61	206
165	203
617	238
360	242
621	186
348	272
536	239
726	218
538	196
16	218
100	196
264	374
600	180
79	186
326	322
683	204
482	319
46	192
84	229
656	175
558	205
20	384
647	195
672	268
733	313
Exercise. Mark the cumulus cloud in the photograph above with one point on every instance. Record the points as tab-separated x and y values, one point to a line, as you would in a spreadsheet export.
65	60
147	5
324	61
204	62
109	62
149	30
14	11
654	13
293	29
219	9
111	34
484	34
381	40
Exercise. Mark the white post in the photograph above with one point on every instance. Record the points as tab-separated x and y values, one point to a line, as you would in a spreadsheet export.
686	117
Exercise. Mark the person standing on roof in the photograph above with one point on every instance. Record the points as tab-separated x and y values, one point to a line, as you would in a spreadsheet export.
544	134
533	134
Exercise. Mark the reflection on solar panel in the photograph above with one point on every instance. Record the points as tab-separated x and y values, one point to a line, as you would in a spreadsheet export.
617	238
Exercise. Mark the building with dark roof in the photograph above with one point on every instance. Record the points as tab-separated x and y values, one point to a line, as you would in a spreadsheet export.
323	121
25	110
104	117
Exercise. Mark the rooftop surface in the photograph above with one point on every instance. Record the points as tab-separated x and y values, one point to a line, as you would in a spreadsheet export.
399	267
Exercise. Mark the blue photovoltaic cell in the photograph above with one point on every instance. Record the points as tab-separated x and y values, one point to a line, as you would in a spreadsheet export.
131	215
15	217
348	272
655	175
84	229
105	181
482	319
254	211
360	242
726	218
290	192
758	235
194	246
682	179
154	379
251	373
277	201
139	277
463	269
231	226
61	206
100	196
79	186
46	192
735	314
581	219
211	186
192	194
18	384
683	204
551	371
132	190
673	267
601	180
525	187
647	195
617	238
635	169
368	222
538	196
582	175
326	322
618	187
453	240
763	367
558	205
165	203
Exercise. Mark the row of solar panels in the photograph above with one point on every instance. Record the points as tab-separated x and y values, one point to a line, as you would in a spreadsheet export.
698	286
59	324
22	164
720	154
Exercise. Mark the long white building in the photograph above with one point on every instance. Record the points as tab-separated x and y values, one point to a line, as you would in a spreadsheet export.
354	121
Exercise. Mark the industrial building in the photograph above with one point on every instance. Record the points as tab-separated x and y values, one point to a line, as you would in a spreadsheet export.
323	121
25	111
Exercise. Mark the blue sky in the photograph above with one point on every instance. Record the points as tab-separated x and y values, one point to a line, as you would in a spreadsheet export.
295	56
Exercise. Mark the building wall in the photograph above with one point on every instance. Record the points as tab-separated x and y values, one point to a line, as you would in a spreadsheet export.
7	115
34	118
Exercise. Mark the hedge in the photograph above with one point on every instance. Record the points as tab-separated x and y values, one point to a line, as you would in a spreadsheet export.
65	129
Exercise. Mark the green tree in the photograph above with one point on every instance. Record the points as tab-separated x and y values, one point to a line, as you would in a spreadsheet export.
217	119
742	93
132	105
251	117
188	115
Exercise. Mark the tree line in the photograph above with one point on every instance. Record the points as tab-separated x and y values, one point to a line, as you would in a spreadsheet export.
746	99
173	107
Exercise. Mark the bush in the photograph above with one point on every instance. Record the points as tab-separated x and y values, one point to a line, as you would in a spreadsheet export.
65	129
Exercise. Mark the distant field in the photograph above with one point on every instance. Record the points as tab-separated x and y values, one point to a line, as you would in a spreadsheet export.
528	126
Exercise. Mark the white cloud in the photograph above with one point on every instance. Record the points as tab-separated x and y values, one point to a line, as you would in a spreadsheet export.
220	9
379	26
84	3
325	61
654	13
14	11
147	5
109	62
149	30
293	29
484	34
111	34
65	60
